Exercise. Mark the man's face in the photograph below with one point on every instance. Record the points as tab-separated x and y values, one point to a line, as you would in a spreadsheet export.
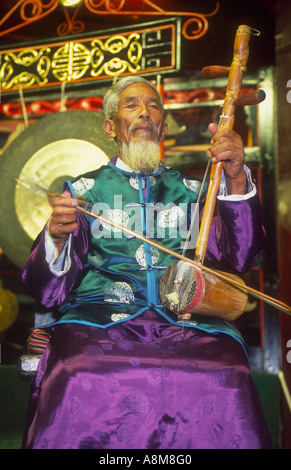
139	116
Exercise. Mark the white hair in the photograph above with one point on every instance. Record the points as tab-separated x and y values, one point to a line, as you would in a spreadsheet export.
111	98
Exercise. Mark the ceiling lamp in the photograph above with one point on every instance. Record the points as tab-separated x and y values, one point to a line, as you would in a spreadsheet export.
70	3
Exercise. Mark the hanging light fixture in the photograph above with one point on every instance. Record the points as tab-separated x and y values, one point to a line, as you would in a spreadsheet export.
70	3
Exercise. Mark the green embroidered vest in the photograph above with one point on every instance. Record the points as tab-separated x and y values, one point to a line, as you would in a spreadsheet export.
121	272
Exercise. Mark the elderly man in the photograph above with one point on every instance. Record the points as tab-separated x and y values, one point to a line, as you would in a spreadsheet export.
121	371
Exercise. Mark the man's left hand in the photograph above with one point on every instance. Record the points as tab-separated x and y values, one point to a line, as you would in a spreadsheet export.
227	146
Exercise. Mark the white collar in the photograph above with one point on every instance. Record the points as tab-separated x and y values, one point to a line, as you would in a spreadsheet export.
123	166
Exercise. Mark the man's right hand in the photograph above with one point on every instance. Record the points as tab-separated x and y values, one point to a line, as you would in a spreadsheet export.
63	220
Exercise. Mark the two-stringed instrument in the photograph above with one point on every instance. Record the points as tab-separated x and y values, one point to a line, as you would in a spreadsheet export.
185	289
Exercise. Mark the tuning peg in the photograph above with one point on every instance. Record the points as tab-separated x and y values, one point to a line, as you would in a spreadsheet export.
215	71
250	98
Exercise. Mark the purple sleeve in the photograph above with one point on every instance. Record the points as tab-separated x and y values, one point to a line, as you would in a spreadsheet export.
45	287
237	234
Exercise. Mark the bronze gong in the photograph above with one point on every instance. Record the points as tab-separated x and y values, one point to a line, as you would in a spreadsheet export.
53	149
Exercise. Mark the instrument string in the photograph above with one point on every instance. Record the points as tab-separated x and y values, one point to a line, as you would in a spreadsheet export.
190	231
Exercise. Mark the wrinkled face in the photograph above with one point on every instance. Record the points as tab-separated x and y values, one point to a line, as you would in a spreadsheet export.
139	116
